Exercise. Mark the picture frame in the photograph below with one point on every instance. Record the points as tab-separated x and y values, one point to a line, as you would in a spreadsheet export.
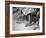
10	6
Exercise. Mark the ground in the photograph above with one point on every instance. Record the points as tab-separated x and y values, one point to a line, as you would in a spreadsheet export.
22	25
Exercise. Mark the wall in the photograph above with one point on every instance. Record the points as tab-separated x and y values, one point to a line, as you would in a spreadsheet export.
2	19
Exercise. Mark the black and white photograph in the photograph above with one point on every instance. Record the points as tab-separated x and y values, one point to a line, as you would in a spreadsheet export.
25	18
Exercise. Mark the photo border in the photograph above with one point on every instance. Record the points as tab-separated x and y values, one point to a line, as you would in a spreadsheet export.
31	31
7	18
